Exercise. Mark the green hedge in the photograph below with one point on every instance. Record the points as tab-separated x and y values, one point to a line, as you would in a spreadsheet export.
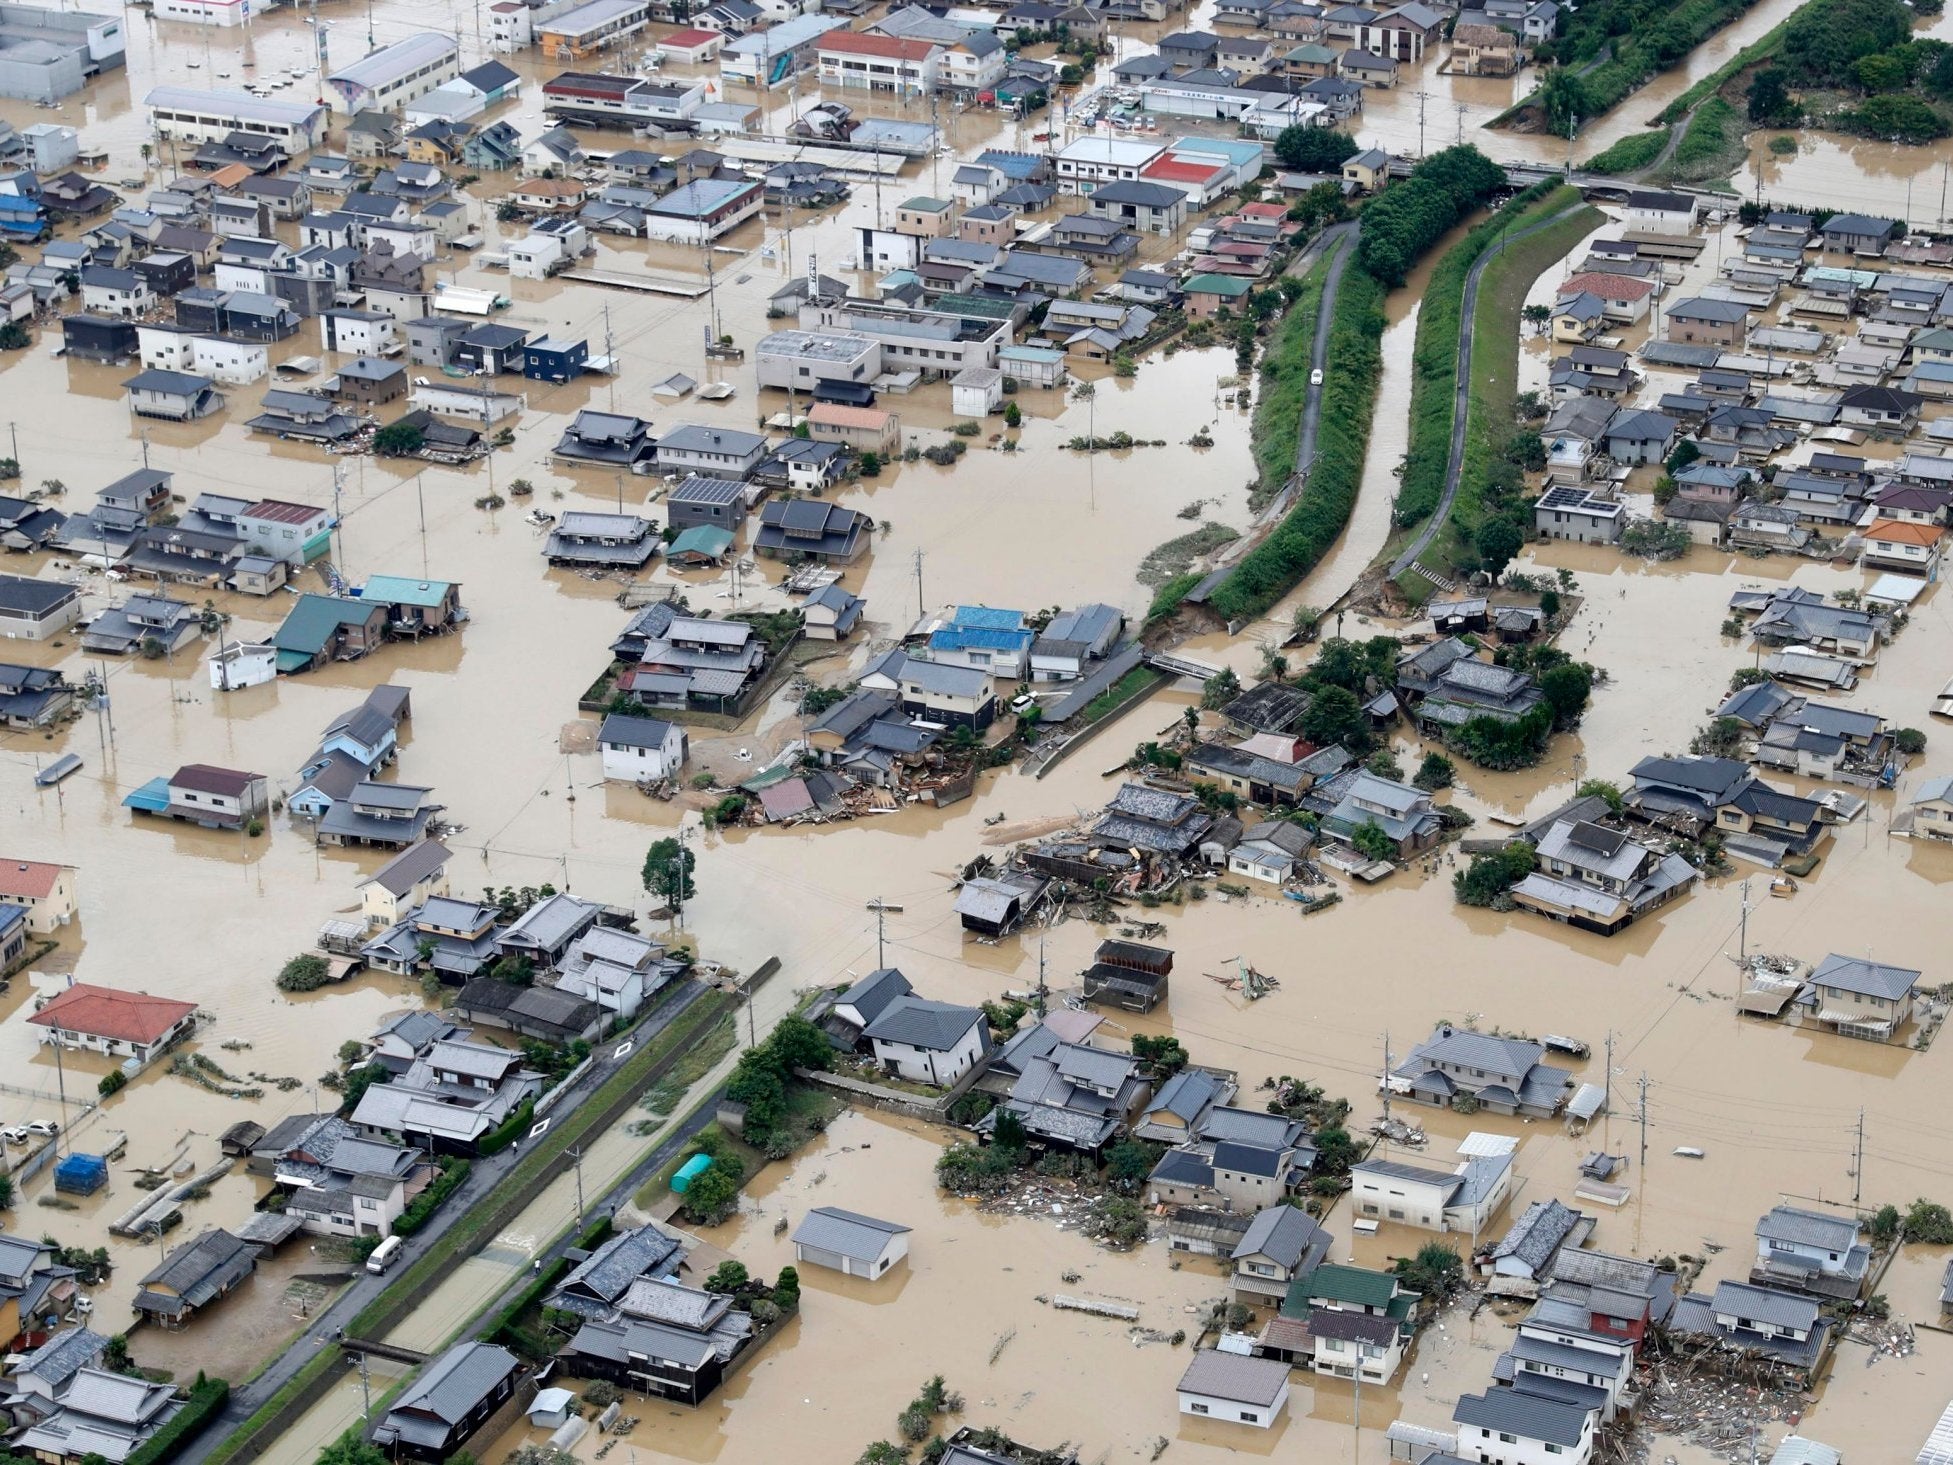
1167	598
1434	363
1284	390
1630	155
1399	226
1322	509
509	1130
206	1401
423	1206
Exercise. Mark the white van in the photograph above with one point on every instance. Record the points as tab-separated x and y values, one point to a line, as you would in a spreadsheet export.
385	1255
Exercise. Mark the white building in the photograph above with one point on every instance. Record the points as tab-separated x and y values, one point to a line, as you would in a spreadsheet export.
397	73
228	362
1090	161
640	749
240	664
849	1242
875	63
977	391
1236	1387
208	12
359	332
1513	1427
928	1042
184	114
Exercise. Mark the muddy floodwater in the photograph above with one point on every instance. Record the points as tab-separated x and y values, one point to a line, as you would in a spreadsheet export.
210	917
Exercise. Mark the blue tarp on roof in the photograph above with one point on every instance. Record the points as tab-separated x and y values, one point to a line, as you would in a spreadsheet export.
152	798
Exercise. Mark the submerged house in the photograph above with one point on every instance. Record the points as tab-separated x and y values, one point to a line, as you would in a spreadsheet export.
1599	879
1504	1075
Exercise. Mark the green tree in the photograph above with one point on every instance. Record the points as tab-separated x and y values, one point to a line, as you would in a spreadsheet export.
303	973
358	1081
668	870
1008	1132
1372	843
398	440
1549	603
1435	772
517	971
1904	118
796	1043
1567	687
756	1086
728	1276
350	1449
1489	876
1600	788
1013	415
1497	541
1335	716
1128	1163
6	1192
14	337
1336	1151
1770	101
1881	73
712	1196
1885	1225
1823	42
1221	689
1162	1056
1909	740
1383	763
1307	149
1436	1271
1563	98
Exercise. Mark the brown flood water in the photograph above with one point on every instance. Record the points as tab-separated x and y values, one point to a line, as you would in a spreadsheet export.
211	917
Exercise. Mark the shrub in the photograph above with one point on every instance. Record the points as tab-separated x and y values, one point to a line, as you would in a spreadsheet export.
1435	772
1489	876
1404	221
712	1196
304	973
398	440
1322	508
206	1401
423	1206
1909	740
112	1082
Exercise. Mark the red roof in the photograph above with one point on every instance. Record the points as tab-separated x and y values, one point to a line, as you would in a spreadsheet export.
1607	287
281	511
689	38
1899	531
104	1012
895	48
28	879
1172	170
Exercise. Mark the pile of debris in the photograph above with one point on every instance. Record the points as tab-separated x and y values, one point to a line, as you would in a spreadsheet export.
1710	1413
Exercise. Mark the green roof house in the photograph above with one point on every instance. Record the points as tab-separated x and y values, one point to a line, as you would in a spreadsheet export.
324	628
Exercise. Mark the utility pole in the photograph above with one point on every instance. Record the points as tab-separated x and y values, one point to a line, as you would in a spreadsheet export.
1422	98
1644	1118
365	1387
1461	124
1607	1078
421	499
576	1155
1386	1077
1858	1161
919	611
1040	1003
880	908
1743	929
609	360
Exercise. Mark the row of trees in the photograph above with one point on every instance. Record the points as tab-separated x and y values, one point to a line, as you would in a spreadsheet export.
1404	221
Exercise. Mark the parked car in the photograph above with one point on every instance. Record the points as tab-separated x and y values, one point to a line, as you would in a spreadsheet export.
44	1126
15	1135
